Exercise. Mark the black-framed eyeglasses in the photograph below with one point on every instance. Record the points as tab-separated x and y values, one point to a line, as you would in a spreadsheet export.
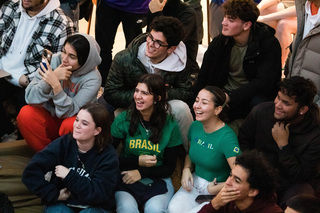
156	43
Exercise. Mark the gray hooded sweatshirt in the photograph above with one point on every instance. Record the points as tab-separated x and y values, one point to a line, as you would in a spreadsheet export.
82	89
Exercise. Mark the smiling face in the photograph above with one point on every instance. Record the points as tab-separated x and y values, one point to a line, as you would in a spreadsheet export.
143	99
204	106
157	55
236	28
285	107
84	128
69	57
33	7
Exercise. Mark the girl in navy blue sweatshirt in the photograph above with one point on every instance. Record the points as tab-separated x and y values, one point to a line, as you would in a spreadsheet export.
77	172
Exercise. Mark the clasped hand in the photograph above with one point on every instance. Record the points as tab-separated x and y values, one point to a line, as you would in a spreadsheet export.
147	160
61	171
130	177
157	5
187	179
214	187
280	133
64	194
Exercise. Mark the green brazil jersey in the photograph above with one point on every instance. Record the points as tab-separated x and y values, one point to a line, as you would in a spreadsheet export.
139	143
209	151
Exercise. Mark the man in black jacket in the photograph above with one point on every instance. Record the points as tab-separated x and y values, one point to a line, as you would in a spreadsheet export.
287	132
244	60
187	15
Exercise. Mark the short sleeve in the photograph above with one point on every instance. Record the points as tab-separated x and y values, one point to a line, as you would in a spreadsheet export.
118	127
230	145
175	139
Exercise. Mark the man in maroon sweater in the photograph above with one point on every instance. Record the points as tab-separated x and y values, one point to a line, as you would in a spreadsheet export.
249	188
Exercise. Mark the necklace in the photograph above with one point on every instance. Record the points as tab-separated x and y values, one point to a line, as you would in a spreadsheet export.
82	164
147	130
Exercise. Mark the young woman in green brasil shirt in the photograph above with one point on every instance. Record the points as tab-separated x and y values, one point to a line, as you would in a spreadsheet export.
213	149
151	139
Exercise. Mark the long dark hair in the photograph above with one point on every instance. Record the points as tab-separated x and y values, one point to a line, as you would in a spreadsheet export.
219	99
101	119
158	117
81	46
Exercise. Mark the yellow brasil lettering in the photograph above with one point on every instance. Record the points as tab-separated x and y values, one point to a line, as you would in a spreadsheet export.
199	141
138	144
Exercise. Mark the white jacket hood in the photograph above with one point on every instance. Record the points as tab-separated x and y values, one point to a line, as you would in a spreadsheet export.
175	62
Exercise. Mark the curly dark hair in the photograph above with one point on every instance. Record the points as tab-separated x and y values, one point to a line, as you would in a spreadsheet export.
219	99
303	91
304	203
101	119
261	175
246	10
171	28
156	87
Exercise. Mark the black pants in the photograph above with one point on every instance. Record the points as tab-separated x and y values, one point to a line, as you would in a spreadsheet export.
16	96
107	22
240	111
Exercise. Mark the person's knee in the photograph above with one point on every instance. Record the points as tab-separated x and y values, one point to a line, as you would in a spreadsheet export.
181	201
172	208
126	207
125	202
67	126
58	207
25	114
154	207
179	109
282	26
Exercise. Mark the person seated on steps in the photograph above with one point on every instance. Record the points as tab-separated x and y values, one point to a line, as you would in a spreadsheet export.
213	149
244	60
250	188
160	51
77	172
26	29
57	92
151	140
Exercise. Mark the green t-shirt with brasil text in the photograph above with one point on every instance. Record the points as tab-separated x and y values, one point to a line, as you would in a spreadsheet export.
139	143
209	151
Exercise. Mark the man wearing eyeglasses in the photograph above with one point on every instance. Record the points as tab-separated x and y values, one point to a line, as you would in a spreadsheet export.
161	51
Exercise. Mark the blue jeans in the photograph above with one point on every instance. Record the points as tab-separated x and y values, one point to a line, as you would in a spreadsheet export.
127	204
63	208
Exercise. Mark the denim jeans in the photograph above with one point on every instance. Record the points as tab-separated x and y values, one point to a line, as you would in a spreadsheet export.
127	204
63	208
